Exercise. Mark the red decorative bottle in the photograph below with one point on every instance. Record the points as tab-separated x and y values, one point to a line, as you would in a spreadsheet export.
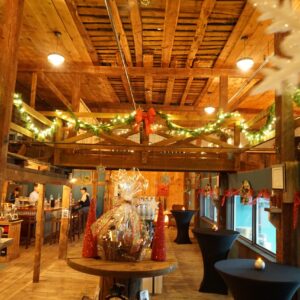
159	250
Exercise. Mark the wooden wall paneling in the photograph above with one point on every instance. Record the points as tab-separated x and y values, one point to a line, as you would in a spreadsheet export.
11	21
65	221
39	234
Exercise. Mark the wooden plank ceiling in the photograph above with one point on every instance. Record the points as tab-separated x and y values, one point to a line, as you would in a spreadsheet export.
180	56
189	34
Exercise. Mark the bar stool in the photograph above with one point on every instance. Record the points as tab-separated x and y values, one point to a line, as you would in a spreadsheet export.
29	223
55	229
75	225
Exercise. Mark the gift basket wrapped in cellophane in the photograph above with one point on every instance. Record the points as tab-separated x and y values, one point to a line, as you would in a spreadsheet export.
120	233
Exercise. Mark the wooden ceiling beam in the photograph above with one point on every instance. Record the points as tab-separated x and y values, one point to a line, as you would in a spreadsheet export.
139	71
137	30
19	129
78	137
148	81
82	31
217	142
244	93
153	162
117	139
55	90
120	31
205	11
186	90
33	89
170	23
108	90
152	148
234	37
124	79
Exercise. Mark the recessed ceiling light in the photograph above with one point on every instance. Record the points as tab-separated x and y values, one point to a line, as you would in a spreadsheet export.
209	110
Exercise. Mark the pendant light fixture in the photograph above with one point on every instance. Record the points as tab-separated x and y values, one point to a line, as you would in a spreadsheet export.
209	109
245	63
55	58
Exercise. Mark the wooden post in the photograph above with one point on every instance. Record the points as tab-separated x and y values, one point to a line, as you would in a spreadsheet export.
4	191
94	184
223	93
58	137
223	186
39	234
65	220
33	89
236	142
10	19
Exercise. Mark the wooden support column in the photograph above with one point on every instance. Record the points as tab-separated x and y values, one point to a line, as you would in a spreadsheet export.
223	186
197	201
58	137
94	184
33	89
287	251
65	220
10	19
223	93
39	234
236	142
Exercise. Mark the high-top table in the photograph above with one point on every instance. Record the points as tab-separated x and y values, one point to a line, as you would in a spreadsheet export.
127	273
275	282
215	246
183	219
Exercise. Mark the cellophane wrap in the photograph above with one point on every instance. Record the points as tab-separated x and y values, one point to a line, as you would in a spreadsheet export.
119	234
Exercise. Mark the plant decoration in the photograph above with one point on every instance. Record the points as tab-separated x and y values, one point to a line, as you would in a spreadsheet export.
246	192
38	134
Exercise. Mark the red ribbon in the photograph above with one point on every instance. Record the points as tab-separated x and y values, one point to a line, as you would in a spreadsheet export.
229	193
148	118
264	193
295	209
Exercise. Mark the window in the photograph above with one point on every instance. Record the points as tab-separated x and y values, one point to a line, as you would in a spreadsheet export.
252	221
210	211
265	231
242	218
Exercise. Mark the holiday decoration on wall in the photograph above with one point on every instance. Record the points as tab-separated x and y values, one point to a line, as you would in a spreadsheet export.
159	251
246	192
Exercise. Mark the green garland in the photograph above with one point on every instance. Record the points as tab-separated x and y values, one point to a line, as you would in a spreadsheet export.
296	97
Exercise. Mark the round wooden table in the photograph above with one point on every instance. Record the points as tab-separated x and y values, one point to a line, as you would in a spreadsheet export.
127	273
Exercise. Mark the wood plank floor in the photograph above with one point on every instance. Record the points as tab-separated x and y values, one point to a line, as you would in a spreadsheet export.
58	281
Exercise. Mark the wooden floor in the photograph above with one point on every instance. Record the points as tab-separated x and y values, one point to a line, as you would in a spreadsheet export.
58	281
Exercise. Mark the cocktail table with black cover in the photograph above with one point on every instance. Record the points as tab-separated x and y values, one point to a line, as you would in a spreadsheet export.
215	246
275	282
183	219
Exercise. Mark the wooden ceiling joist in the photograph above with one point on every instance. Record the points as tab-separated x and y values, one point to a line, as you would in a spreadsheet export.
120	31
33	89
171	17
82	31
55	90
148	81
108	91
137	30
205	11
140	71
19	129
77	138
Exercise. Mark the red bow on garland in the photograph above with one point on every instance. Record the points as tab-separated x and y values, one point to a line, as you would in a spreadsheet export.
295	209
229	193
148	118
264	193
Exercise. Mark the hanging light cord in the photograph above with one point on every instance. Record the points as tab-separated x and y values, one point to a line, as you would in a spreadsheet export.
249	79
120	50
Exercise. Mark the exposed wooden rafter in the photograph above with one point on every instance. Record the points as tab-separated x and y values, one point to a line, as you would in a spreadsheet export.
148	81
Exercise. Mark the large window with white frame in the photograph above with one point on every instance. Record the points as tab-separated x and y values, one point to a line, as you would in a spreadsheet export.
252	221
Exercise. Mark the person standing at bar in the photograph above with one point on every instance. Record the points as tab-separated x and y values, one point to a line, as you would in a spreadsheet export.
85	199
34	195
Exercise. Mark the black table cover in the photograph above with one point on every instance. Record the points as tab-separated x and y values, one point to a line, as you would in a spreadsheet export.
275	282
215	246
183	218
